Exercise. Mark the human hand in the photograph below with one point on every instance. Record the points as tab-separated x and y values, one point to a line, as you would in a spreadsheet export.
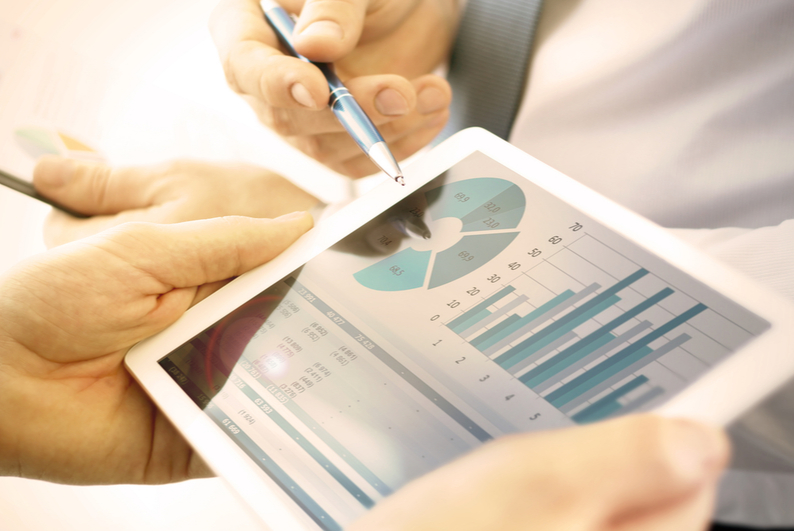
636	473
384	51
169	193
71	412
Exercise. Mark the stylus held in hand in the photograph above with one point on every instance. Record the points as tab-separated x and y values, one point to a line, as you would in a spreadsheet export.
25	187
342	103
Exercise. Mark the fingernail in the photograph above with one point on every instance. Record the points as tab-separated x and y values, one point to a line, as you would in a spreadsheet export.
390	102
431	99
698	449
323	28
302	95
55	171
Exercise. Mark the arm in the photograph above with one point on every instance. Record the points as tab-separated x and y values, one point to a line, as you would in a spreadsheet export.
71	413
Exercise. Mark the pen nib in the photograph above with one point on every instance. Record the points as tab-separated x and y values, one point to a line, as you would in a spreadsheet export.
399	179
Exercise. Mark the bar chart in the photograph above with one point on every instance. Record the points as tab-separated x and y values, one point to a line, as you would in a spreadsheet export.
591	350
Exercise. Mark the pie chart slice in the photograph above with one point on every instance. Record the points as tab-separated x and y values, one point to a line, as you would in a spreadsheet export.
503	211
468	254
456	200
403	270
486	206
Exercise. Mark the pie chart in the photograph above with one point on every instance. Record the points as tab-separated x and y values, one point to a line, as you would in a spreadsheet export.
470	221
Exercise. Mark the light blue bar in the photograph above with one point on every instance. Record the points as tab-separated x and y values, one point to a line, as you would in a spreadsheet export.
620	360
591	342
645	398
608	404
495	330
452	325
608	294
550	333
495	315
601	351
552	312
552	367
482	314
540	353
526	320
624	373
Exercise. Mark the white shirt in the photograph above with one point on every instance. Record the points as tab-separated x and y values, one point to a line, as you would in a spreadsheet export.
682	110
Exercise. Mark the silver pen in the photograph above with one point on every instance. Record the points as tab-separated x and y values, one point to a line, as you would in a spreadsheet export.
342	102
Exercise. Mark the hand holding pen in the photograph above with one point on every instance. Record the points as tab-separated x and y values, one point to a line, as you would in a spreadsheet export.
378	54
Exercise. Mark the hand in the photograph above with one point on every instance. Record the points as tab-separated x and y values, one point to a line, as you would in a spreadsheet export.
71	413
636	473
170	193
383	50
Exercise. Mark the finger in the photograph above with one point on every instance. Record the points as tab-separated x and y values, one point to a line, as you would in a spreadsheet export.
92	188
327	30
650	461
199	252
430	114
60	228
384	98
413	141
254	65
692	513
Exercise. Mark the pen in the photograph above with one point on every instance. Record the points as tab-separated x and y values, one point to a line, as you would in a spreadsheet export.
342	102
25	187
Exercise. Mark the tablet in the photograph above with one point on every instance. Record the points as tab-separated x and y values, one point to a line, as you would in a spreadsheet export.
489	295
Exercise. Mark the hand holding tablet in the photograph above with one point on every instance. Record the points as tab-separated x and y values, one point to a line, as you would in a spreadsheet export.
363	358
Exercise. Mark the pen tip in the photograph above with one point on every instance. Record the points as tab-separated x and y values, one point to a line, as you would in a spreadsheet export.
399	179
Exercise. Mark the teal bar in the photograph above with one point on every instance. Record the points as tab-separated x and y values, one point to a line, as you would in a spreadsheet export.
589	343
564	321
452	325
494	331
608	404
623	358
472	320
541	339
520	322
554	365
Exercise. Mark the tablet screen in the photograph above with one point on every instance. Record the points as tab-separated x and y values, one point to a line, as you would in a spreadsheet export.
479	305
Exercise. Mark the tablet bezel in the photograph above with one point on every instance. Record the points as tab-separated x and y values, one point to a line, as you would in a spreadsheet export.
714	397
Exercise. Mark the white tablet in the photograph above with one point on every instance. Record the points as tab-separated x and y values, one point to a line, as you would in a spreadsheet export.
490	295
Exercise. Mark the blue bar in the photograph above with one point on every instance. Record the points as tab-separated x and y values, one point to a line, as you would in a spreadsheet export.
493	331
482	314
551	367
608	294
589	343
452	325
607	405
551	333
496	314
520	322
618	361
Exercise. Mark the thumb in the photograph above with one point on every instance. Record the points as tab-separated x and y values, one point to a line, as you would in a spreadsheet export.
642	462
328	30
92	188
194	253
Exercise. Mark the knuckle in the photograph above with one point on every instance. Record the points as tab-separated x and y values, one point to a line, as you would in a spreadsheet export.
278	119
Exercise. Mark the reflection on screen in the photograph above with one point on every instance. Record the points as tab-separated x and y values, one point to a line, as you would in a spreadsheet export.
478	306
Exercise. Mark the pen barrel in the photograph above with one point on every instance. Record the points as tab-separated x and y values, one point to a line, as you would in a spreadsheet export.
353	118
